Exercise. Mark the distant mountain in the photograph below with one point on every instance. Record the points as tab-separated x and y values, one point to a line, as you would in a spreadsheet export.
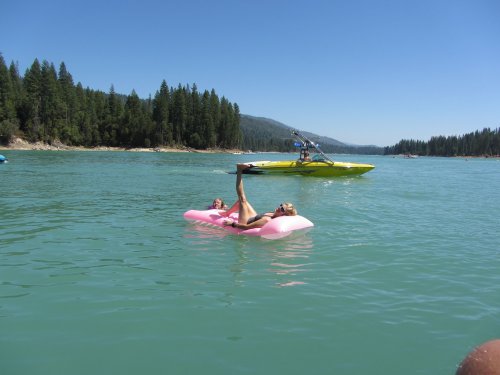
264	134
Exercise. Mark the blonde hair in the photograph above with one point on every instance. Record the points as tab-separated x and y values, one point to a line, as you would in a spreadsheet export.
289	209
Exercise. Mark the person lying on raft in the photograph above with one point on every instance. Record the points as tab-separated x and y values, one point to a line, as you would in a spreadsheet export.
248	218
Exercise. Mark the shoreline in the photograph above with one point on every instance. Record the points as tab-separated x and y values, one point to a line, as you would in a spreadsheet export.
18	144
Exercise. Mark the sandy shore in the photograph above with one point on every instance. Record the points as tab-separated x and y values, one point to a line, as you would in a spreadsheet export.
21	144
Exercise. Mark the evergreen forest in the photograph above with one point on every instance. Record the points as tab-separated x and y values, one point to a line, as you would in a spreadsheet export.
478	143
46	105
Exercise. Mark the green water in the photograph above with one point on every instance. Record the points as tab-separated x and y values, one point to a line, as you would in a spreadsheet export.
100	273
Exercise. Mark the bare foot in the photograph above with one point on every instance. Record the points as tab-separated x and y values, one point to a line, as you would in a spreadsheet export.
243	166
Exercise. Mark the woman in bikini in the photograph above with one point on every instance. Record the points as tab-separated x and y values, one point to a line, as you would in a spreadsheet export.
247	216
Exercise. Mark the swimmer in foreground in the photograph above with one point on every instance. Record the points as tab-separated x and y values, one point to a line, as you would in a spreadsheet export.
483	360
248	218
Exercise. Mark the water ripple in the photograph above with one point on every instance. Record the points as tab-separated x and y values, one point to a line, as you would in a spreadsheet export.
402	264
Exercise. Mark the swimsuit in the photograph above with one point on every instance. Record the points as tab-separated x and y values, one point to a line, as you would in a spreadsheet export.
255	218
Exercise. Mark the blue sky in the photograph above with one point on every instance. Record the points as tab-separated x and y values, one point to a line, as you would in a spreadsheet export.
360	71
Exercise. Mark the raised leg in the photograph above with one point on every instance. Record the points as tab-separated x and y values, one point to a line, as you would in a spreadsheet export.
245	210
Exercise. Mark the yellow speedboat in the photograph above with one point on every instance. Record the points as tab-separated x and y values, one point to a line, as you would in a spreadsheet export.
323	168
320	165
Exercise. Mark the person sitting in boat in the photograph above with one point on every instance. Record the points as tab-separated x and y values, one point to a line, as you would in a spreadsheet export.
247	216
218	204
304	155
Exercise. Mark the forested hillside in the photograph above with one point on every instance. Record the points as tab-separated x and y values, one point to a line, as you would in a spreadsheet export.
479	143
264	134
261	134
45	105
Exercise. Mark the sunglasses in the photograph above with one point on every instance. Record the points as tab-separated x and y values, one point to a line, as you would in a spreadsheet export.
282	209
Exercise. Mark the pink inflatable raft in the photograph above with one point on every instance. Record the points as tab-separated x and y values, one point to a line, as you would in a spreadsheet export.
277	228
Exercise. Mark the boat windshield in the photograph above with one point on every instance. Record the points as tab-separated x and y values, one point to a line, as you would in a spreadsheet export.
318	157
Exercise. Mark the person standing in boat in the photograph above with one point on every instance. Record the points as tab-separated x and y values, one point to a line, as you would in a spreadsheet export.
304	154
247	216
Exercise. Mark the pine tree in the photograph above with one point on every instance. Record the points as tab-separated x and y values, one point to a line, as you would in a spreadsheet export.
80	117
205	128
52	112
7	110
160	115
215	113
195	125
8	118
31	106
236	131
68	96
17	87
132	121
110	127
179	115
101	114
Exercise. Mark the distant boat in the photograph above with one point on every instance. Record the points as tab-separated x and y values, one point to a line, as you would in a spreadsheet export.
3	159
319	165
406	156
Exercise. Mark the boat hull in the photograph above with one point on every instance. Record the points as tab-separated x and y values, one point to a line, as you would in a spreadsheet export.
308	168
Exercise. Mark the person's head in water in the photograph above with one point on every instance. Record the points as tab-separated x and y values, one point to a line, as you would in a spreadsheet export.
218	204
286	209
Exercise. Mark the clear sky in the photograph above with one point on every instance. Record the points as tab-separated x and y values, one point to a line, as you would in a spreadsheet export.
359	71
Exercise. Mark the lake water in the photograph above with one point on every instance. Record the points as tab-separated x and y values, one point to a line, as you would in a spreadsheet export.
100	273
